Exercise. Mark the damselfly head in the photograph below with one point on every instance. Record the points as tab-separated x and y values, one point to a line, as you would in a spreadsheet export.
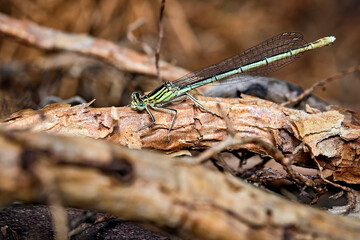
136	101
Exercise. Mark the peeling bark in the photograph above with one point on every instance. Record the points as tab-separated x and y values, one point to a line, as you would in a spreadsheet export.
331	136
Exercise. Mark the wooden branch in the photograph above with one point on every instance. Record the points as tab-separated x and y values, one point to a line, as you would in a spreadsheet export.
331	136
50	39
144	186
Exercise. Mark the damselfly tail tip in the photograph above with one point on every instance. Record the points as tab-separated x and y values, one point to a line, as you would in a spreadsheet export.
332	39
327	41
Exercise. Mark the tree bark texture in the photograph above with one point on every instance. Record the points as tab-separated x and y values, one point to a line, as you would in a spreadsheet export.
139	185
332	136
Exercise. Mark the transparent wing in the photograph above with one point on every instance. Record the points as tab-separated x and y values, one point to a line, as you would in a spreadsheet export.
275	45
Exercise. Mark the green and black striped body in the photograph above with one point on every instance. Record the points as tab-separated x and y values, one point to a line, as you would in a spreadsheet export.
261	59
161	95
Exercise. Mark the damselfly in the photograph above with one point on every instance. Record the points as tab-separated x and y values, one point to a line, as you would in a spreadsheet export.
261	59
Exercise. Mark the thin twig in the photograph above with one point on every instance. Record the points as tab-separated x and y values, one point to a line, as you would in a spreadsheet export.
51	39
58	213
131	28
161	35
295	175
265	175
308	91
81	223
230	141
248	173
131	37
229	127
267	147
226	166
290	159
354	197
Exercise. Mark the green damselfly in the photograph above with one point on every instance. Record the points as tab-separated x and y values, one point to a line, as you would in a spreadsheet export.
261	59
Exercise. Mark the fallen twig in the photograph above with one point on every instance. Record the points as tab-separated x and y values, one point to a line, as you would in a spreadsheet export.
50	39
354	194
160	37
144	186
308	91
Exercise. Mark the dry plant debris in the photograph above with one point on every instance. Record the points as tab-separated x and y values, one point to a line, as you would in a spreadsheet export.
139	185
331	136
50	39
175	193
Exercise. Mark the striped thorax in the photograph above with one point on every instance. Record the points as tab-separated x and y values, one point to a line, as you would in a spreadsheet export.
161	95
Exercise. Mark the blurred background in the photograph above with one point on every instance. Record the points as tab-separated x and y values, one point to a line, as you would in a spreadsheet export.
196	34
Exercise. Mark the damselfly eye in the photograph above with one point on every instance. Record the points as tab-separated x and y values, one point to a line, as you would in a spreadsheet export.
135	96
136	101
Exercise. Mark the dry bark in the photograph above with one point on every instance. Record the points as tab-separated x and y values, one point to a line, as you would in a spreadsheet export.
139	185
50	39
332	137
